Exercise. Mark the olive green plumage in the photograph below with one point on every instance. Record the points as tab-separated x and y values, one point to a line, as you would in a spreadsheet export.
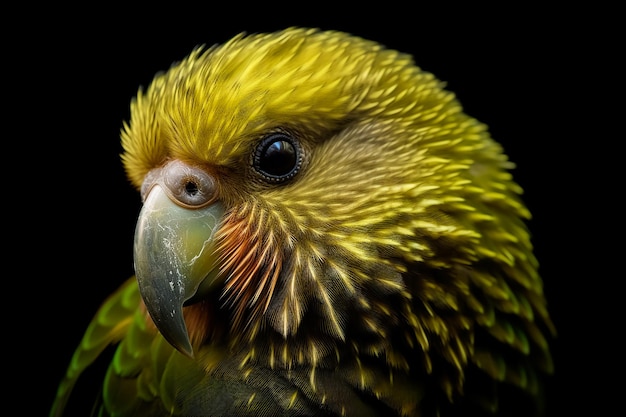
324	232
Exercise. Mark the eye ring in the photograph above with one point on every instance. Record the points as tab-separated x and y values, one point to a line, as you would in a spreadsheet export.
278	157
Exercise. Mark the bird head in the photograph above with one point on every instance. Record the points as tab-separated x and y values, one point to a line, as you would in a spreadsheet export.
311	185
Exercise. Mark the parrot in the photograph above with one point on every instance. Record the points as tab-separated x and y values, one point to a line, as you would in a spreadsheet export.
323	231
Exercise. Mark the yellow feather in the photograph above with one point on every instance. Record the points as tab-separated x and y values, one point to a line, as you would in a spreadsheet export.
375	274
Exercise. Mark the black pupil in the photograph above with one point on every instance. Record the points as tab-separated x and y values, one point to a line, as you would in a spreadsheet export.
278	158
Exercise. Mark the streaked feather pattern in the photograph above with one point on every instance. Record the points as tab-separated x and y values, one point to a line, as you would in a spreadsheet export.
394	274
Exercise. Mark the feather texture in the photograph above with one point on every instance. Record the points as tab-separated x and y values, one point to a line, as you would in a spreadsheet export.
390	272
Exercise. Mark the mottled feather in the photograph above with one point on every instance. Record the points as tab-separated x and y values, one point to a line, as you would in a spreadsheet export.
392	275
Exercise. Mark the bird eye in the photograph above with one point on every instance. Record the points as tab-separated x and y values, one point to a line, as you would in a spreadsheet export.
278	157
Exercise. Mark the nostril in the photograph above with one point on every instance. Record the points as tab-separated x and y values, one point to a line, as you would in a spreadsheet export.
191	188
188	185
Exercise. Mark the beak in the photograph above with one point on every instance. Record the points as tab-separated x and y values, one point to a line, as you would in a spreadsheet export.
174	260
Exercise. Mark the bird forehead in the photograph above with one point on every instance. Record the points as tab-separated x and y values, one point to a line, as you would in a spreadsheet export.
261	81
212	106
290	61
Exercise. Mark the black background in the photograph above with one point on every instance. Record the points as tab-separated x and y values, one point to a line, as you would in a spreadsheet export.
526	72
